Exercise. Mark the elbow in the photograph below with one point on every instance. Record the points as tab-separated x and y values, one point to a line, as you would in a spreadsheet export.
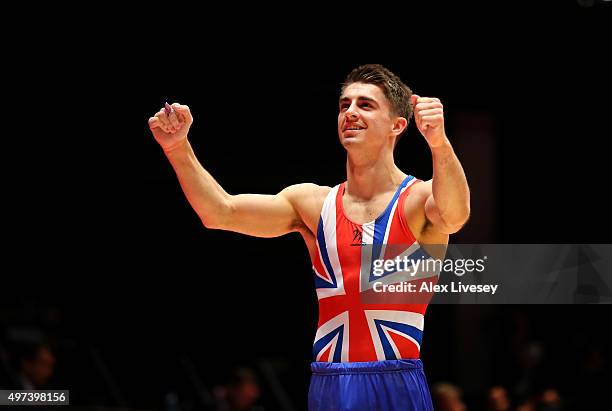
216	220
459	218
210	223
464	215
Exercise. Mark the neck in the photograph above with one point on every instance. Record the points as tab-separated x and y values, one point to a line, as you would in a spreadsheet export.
370	175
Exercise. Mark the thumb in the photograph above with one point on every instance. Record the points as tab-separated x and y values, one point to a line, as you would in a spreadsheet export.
413	101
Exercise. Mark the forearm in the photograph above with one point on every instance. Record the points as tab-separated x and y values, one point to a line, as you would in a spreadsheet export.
449	186
206	196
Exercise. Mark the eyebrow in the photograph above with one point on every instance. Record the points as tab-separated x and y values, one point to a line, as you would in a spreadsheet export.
362	98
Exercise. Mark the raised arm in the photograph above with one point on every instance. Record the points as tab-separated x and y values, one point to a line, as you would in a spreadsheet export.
447	207
252	214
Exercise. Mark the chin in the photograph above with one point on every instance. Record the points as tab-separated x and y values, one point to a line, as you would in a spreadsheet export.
350	142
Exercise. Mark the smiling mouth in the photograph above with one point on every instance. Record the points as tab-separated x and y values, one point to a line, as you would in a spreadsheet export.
353	128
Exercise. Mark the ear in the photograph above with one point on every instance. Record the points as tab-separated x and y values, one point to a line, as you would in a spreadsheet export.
399	125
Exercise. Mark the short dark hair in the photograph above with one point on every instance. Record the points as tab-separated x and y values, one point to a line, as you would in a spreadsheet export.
392	86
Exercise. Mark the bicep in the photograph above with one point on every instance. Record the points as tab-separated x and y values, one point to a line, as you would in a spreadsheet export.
422	211
261	215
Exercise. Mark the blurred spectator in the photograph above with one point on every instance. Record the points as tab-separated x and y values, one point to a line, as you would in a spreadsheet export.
550	400
35	364
447	397
240	393
527	405
498	399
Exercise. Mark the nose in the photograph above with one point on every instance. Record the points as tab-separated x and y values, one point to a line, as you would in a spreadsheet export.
350	113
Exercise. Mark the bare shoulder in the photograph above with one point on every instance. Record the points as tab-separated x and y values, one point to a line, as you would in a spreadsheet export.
415	202
302	195
422	189
306	189
307	199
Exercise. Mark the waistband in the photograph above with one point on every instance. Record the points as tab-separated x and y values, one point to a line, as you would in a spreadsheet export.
331	368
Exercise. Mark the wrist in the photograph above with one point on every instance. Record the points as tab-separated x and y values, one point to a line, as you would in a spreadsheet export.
177	146
443	153
443	147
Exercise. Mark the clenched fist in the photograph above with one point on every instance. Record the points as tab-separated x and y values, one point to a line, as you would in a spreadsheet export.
170	125
429	118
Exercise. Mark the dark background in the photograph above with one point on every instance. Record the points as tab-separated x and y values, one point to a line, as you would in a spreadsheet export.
109	263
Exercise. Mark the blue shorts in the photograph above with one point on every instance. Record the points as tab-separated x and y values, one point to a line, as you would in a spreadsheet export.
377	385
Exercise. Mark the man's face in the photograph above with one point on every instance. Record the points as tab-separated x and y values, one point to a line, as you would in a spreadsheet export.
365	116
40	369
